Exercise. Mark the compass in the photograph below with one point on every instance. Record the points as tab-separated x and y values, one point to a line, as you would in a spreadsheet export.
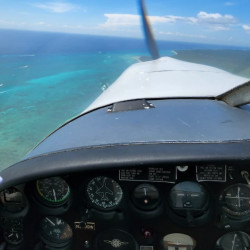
104	193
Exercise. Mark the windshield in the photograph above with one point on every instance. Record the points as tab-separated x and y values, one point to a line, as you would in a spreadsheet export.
57	57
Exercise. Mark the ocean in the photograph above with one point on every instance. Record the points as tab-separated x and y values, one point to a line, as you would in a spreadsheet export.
48	78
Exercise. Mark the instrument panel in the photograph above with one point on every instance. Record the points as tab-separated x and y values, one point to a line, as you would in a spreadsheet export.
195	206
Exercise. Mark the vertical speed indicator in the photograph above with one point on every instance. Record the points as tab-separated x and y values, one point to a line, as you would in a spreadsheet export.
104	193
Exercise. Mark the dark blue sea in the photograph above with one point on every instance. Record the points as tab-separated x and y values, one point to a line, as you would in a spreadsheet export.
48	78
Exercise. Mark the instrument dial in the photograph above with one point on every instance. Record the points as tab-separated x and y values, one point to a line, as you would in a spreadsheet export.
55	231
13	236
13	200
188	195
104	193
54	191
189	204
236	200
178	241
234	241
146	196
115	239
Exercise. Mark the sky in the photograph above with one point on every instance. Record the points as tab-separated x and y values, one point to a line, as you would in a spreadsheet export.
215	21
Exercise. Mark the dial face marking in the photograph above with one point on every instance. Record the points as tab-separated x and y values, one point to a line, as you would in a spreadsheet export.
104	193
236	199
13	236
54	194
54	190
234	241
116	243
146	196
238	196
55	229
51	222
58	221
116	239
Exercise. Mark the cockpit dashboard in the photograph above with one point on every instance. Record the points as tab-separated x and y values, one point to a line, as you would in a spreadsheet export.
173	176
165	206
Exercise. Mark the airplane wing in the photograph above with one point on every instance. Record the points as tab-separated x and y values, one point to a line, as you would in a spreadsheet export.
168	78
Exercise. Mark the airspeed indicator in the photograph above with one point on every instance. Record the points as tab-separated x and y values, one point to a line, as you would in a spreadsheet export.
104	193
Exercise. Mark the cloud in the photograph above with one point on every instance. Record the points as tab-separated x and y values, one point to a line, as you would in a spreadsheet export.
13	23
118	20
115	20
178	34
175	19
55	7
40	23
246	28
214	21
229	4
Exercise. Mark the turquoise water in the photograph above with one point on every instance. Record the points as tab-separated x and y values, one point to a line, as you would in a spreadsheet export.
38	93
48	78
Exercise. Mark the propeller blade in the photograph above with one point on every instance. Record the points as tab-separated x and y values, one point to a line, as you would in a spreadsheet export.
148	33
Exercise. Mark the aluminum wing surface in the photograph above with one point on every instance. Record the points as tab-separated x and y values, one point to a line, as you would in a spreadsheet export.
168	78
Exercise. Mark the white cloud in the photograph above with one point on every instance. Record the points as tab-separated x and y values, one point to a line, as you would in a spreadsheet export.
118	20
178	34
229	4
174	19
56	7
158	19
12	23
214	21
246	28
74	27
40	23
115	20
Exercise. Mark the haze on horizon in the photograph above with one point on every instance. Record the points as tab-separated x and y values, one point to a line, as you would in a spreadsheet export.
212	22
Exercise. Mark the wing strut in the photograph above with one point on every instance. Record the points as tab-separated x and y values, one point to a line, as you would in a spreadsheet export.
148	32
237	96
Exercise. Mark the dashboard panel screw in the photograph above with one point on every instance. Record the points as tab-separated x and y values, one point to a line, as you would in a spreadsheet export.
86	244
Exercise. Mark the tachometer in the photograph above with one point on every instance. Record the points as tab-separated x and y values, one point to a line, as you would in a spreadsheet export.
236	200
53	191
104	193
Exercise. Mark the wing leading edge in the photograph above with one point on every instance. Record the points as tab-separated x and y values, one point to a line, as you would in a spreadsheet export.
168	78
